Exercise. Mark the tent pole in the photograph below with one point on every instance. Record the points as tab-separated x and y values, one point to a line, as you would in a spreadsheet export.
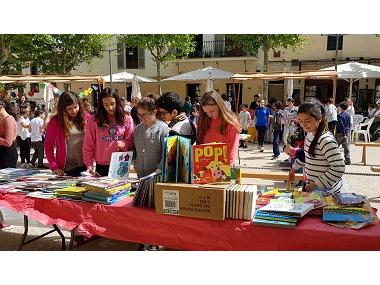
351	81
334	88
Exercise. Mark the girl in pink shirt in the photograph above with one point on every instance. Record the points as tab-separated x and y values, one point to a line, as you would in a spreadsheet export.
109	130
217	124
8	133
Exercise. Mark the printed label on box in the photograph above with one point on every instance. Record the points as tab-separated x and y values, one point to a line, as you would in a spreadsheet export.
170	200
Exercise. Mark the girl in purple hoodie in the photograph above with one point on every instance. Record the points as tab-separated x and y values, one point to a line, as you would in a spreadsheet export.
109	130
65	132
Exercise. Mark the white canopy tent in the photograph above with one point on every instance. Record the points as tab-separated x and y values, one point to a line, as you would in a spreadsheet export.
208	73
127	77
354	71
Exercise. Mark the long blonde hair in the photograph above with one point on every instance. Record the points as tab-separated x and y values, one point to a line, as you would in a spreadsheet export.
226	117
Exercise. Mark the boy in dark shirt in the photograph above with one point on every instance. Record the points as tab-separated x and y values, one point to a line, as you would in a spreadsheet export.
343	131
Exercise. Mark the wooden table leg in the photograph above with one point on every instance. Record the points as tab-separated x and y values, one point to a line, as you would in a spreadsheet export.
364	156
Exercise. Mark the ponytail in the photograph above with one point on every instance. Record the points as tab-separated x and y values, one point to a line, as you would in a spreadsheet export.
320	130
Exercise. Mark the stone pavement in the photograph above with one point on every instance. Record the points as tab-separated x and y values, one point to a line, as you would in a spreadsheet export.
357	179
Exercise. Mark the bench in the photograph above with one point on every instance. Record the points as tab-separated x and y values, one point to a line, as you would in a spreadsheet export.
375	168
365	145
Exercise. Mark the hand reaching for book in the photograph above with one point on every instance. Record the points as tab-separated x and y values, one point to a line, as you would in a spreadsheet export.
59	172
291	175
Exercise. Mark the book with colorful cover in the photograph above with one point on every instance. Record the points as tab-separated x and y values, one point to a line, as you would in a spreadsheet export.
177	159
210	163
314	197
349	214
273	223
291	209
120	164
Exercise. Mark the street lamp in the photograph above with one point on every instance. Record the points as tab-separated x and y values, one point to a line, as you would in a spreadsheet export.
109	62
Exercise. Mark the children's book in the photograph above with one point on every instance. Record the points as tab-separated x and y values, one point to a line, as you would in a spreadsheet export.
273	223
295	209
210	163
120	164
177	159
346	214
314	197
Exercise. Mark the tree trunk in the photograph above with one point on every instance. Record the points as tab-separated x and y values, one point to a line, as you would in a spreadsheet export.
265	87
158	65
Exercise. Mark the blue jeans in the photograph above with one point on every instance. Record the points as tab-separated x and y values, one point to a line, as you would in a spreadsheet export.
276	142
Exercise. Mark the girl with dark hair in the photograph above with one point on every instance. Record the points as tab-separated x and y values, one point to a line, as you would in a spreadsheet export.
109	130
217	124
324	164
8	134
23	135
148	137
65	132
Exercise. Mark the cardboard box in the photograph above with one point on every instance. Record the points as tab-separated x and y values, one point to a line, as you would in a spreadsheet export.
190	200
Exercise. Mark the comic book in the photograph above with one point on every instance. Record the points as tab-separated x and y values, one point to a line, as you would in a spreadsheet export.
177	160
120	164
210	163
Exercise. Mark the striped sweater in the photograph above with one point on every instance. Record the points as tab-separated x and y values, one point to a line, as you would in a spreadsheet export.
327	167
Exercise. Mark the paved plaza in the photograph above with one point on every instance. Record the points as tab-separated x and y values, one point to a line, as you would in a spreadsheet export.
358	179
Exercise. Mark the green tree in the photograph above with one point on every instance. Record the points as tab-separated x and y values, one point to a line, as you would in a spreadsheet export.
163	48
14	48
253	43
61	53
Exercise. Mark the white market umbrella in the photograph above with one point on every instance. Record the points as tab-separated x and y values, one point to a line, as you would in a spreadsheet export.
201	74
136	88
127	77
210	84
289	88
354	71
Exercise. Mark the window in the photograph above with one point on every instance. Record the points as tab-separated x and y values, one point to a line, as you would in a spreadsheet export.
331	42
277	54
132	58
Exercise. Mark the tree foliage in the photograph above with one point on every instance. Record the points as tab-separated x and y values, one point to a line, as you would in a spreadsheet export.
253	43
61	53
162	47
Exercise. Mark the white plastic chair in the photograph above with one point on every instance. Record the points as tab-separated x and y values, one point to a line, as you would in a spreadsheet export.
365	132
357	119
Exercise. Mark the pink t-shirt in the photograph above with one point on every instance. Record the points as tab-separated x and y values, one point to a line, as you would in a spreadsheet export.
100	143
8	131
231	138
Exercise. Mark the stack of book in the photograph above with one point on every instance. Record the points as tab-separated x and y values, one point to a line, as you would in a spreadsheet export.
240	201
349	211
144	195
73	192
15	172
281	214
105	190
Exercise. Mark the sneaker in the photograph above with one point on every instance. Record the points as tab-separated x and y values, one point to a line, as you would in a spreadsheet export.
274	157
347	162
150	247
24	165
30	165
258	147
245	146
262	149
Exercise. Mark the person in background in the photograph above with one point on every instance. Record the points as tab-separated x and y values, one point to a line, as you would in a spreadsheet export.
148	137
8	134
109	130
351	112
245	121
65	135
169	106
276	124
22	100
373	111
262	115
331	113
289	114
37	128
23	135
193	119
217	124
324	164
187	106
134	102
256	102
88	109
343	131
228	104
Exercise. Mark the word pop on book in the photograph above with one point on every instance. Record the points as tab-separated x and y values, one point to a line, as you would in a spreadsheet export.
211	163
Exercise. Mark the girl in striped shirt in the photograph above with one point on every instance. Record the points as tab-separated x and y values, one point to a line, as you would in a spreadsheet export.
324	164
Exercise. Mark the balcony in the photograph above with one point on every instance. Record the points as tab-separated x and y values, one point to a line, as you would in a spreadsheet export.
207	49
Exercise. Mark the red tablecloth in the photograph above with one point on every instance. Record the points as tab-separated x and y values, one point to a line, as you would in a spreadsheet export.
124	222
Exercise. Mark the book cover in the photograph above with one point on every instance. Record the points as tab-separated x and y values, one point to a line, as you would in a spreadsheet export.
346	214
210	163
184	160
120	164
314	197
270	223
169	168
298	210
